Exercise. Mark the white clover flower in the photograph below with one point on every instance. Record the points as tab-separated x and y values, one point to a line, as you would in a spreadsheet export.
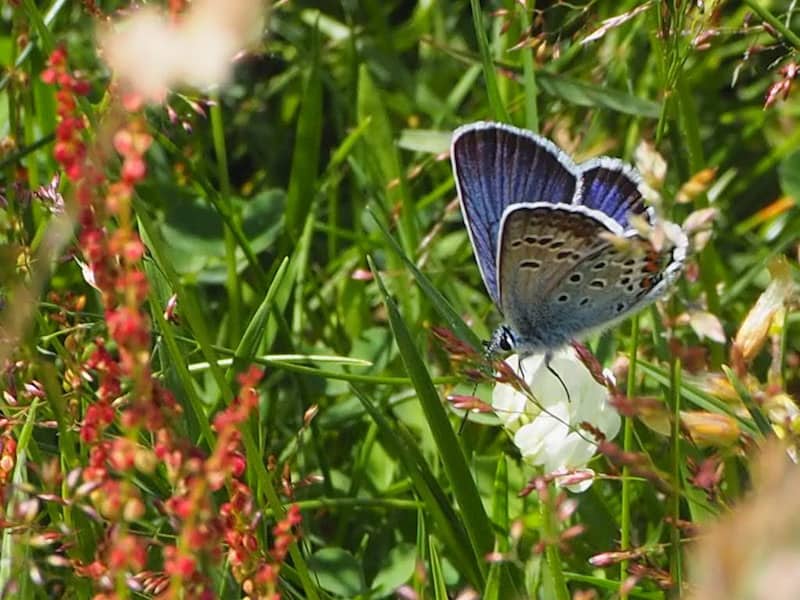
547	432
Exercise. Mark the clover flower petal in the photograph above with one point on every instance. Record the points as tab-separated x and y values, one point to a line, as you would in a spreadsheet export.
546	426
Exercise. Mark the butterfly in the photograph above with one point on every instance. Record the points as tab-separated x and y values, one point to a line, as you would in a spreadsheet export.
555	241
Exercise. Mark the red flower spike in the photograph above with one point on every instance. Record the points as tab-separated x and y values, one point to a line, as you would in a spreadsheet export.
48	76
470	403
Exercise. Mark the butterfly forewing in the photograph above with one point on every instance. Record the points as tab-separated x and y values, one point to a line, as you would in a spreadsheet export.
496	166
613	188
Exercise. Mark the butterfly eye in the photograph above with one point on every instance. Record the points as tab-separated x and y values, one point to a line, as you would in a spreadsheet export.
506	343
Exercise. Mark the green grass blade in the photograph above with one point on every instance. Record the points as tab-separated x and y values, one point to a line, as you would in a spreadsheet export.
305	158
583	94
466	492
196	413
448	525
45	37
18	477
675	550
254	333
492	590
190	306
699	398
489	75
439	302
380	145
529	80
762	12
437	572
232	281
759	418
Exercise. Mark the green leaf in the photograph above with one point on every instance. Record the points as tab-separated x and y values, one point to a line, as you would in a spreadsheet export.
585	94
425	140
194	230
337	571
196	173
398	568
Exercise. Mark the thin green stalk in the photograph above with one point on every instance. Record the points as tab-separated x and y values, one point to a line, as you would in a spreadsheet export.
268	492
627	445
232	282
500	516
689	123
529	76
13	129
551	548
24	151
22	556
675	509
29	128
48	18
768	17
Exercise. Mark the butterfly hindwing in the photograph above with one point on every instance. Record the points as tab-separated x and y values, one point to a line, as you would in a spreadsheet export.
496	166
561	276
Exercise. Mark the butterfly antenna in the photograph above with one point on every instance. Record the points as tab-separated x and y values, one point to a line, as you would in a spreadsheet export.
547	358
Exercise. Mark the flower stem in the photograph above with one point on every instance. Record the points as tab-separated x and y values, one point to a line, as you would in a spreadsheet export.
552	554
627	443
768	17
675	533
233	281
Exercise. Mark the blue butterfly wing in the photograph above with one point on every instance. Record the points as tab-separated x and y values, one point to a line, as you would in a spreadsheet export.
612	187
496	166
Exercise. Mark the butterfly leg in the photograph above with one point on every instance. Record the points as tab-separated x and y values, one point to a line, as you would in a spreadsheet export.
547	358
466	413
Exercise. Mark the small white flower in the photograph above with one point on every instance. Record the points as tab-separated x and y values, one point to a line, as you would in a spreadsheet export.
87	272
547	431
